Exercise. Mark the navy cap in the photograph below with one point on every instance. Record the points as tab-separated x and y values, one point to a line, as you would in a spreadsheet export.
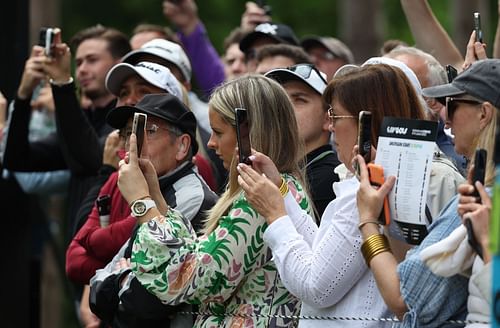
162	105
281	33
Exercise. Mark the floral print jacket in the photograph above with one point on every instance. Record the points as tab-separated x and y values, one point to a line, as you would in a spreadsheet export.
228	273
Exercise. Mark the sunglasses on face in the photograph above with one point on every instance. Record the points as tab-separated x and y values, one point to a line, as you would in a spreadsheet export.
452	104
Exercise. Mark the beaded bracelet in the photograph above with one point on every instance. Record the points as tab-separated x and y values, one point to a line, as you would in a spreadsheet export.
283	188
374	245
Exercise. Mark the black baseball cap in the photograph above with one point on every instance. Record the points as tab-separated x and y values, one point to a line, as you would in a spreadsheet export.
162	105
281	33
481	80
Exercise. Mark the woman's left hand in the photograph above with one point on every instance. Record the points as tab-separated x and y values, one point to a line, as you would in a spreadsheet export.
131	180
369	199
261	193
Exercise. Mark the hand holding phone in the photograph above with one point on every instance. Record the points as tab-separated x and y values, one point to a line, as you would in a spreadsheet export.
477	27
243	136
138	128
262	4
376	176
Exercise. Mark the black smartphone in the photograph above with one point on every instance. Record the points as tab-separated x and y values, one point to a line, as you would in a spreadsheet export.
480	159
451	72
262	4
364	136
243	136
138	128
46	39
478	174
477	27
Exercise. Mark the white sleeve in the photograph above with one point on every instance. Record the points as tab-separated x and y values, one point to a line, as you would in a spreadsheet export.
320	275
303	222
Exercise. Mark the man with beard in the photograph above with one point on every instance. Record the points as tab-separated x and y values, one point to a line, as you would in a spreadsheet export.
79	140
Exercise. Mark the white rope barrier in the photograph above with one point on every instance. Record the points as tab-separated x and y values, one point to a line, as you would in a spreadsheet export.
310	317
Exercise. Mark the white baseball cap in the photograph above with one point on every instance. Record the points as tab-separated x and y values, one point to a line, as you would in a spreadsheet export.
156	74
166	50
306	73
402	66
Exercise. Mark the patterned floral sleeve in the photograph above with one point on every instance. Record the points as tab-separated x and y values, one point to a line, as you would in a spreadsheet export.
177	267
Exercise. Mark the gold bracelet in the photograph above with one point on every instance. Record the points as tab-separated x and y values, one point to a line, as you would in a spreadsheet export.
374	245
283	187
362	224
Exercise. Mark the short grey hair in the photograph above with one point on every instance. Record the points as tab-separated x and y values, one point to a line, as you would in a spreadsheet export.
436	74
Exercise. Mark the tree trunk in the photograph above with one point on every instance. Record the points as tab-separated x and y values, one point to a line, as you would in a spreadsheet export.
43	13
362	27
463	24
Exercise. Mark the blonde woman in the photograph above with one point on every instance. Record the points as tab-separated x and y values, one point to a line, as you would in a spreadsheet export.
416	295
228	271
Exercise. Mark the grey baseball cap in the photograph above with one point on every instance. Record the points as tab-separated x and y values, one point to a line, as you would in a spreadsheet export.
481	80
336	47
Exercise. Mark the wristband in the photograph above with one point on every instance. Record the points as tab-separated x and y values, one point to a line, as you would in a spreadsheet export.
60	84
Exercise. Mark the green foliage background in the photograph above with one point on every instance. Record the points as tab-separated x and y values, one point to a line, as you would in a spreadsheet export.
220	16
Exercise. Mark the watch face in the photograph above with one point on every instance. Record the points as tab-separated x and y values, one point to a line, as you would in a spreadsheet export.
140	208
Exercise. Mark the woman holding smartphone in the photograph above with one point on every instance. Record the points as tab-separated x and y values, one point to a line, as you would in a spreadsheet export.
323	266
228	271
419	297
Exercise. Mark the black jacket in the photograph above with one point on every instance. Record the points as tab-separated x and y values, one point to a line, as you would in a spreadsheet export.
320	166
77	145
135	306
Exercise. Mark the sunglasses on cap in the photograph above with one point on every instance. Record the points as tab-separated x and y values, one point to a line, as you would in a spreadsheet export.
452	104
305	70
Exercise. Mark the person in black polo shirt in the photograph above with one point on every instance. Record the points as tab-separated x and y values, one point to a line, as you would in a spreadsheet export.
305	84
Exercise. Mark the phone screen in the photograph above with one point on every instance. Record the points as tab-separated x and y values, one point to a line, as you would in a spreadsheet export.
138	128
46	39
451	72
243	136
477	27
364	135
262	4
480	158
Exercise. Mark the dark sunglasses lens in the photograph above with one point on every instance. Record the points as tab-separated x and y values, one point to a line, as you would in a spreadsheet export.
451	106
